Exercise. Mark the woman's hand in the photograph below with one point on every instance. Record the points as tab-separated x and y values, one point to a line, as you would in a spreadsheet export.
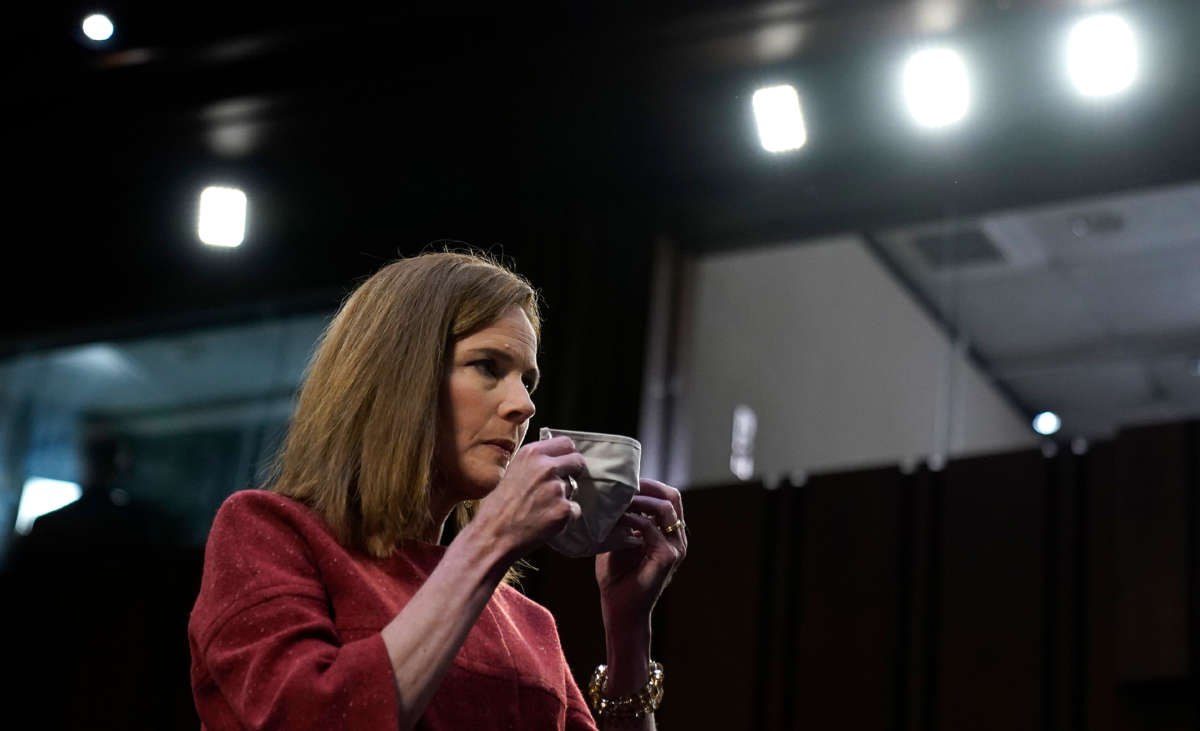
529	506
632	579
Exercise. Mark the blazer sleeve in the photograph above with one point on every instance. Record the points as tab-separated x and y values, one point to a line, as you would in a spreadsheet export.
264	646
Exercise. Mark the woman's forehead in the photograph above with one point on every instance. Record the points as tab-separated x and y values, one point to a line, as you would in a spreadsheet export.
511	333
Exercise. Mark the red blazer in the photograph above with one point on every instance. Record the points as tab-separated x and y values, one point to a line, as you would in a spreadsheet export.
285	634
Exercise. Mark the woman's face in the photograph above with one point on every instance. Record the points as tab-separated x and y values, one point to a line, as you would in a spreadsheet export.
486	406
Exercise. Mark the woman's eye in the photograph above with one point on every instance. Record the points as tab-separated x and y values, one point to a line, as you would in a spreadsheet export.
486	366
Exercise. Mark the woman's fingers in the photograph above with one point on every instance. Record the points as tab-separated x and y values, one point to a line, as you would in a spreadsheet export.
661	552
625	534
662	510
665	513
533	500
646	527
555	447
569	464
663	491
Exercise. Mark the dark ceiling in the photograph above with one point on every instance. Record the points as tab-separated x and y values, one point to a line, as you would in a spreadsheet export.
358	136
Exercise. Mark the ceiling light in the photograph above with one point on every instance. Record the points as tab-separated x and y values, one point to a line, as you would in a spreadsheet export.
1046	423
936	89
780	121
97	27
1101	55
222	216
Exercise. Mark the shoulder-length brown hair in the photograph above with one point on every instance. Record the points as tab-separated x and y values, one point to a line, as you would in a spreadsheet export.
360	447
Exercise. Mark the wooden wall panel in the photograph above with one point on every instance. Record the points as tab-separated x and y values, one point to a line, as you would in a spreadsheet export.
708	622
919	615
775	707
991	607
1098	614
1152	561
848	638
1064	587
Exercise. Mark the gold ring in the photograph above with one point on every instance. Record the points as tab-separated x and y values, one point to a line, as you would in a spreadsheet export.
672	528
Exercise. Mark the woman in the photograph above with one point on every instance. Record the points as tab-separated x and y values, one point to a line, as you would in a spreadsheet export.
326	600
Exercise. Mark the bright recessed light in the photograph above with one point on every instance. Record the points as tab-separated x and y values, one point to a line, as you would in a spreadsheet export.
41	495
97	27
935	87
222	216
780	121
1101	55
1046	423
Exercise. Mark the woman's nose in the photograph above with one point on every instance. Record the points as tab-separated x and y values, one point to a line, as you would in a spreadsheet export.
518	404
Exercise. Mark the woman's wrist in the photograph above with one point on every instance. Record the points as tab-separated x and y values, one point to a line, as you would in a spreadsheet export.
628	645
483	550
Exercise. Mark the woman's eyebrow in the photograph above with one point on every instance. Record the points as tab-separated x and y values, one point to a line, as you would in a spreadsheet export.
501	355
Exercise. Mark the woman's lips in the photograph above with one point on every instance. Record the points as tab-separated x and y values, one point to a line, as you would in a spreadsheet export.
504	451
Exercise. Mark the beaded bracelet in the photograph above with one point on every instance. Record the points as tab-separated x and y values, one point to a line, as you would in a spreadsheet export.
635	705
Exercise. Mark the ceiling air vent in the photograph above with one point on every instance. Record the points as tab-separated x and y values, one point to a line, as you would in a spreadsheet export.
955	249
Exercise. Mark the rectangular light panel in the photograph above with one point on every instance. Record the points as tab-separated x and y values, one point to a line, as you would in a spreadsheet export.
779	118
222	216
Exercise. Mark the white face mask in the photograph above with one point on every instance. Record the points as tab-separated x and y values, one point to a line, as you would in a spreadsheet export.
603	493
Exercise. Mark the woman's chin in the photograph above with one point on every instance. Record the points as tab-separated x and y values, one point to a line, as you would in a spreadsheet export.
483	482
